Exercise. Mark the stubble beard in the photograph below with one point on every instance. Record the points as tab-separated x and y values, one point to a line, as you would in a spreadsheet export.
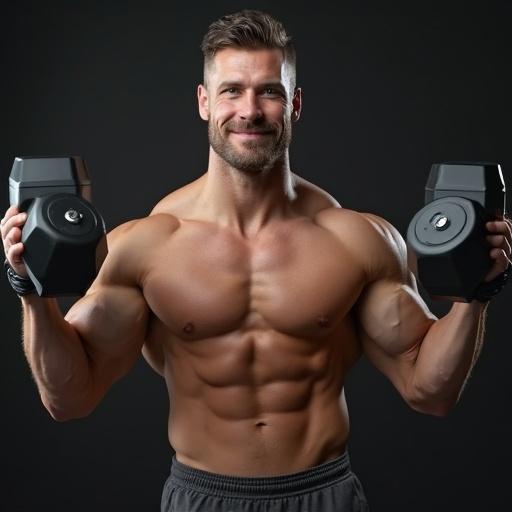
257	155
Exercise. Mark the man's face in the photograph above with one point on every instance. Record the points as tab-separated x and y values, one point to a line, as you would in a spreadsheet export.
249	106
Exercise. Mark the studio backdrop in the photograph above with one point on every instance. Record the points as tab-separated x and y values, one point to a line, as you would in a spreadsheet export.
387	92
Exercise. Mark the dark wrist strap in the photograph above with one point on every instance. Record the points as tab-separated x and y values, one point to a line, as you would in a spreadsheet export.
486	291
21	285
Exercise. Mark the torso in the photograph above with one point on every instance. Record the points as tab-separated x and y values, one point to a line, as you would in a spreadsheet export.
254	337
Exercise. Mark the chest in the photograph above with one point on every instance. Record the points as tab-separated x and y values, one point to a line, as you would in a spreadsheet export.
297	280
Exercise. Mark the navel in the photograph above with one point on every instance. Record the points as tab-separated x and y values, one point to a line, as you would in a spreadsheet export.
189	327
323	321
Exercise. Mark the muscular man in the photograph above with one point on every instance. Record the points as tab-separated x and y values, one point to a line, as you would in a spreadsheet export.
252	293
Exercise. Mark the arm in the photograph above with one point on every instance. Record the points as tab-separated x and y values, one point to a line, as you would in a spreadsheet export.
76	358
427	359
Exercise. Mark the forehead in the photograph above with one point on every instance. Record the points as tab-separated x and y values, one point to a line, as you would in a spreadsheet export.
249	65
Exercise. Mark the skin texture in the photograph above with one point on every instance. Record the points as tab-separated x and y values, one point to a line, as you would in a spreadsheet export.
253	293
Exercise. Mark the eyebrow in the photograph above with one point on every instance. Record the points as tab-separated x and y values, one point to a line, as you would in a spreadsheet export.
228	84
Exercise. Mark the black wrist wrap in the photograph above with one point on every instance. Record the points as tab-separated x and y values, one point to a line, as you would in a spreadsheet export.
21	285
486	291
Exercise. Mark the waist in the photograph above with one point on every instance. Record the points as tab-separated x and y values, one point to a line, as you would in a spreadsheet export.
303	481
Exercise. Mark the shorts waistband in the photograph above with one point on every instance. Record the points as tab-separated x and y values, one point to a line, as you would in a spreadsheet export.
303	481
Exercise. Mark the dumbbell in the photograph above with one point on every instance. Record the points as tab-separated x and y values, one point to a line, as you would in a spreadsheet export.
448	233
64	235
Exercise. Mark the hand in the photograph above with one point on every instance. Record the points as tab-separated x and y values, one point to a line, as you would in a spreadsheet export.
501	246
11	226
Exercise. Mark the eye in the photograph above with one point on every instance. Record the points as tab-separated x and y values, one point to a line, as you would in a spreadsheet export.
231	90
270	91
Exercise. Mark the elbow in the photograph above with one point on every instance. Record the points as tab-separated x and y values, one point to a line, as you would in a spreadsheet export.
62	413
430	403
438	409
63	416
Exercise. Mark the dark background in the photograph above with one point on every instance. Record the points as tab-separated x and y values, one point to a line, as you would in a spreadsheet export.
387	91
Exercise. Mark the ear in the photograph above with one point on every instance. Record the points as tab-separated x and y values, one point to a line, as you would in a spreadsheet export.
296	104
202	101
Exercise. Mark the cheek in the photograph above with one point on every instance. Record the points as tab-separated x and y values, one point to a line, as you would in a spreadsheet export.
277	112
224	110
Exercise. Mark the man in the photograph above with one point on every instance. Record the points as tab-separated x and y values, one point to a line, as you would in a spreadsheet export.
252	292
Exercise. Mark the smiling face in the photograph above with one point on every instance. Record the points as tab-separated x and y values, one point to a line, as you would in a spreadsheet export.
249	104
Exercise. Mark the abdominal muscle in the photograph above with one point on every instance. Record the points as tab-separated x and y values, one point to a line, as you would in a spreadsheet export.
254	338
257	403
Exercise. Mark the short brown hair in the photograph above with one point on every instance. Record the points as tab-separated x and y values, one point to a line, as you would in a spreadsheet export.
247	29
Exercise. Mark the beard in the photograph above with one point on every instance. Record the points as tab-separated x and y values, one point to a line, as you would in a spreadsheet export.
255	155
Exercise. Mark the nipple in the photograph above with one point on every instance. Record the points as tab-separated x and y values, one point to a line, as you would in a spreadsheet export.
323	321
189	327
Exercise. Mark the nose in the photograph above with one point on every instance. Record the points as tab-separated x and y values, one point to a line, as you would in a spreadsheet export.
250	109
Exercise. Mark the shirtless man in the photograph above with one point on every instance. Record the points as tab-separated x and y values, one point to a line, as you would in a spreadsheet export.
252	293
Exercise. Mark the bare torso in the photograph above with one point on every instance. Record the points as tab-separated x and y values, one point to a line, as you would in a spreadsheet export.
254	337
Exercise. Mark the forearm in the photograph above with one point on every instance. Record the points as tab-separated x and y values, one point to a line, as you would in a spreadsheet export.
447	355
56	356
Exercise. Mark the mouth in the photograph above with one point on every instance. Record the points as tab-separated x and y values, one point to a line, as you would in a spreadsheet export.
250	134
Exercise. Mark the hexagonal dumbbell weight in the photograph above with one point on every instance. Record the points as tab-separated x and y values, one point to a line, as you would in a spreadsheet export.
448	233
64	235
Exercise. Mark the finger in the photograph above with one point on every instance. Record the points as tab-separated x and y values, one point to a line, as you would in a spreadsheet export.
500	264
14	236
501	242
500	226
14	254
16	220
12	210
501	260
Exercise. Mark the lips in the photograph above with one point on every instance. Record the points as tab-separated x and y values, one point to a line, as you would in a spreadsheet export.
250	135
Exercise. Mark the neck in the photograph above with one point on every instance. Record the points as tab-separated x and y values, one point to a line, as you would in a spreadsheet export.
247	201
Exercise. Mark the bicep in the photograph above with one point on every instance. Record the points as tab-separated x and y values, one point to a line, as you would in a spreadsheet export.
111	322
392	318
392	321
111	319
393	315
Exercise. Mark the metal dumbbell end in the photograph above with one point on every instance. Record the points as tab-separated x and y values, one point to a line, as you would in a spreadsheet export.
73	216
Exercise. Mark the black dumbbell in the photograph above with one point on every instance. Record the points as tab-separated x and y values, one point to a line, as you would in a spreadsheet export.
64	235
448	233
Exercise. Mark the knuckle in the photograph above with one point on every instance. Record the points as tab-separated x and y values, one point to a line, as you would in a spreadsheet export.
9	254
11	236
6	228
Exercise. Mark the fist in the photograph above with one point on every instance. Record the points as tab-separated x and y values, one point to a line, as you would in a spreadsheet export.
500	240
11	226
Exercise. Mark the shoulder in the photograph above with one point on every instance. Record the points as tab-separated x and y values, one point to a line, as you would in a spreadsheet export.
373	240
310	198
143	229
130	245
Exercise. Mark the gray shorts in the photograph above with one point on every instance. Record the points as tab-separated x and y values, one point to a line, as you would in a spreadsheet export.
330	487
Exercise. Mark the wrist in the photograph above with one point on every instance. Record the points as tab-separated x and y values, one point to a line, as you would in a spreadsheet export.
474	308
23	286
487	290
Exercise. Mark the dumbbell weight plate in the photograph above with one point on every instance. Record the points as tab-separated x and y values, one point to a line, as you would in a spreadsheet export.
71	215
442	225
65	244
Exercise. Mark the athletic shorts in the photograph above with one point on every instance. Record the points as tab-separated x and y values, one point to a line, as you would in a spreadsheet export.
329	487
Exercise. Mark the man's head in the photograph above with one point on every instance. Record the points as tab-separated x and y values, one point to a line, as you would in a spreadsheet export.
249	96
